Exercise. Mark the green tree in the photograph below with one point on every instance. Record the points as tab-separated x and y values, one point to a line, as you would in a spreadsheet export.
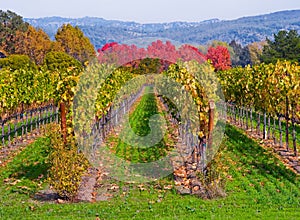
17	62
74	43
10	23
147	66
255	50
241	54
286	46
60	61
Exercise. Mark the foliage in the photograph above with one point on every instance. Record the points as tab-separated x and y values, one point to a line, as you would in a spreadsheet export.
220	57
122	54
74	43
198	80
241	54
34	43
23	86
61	61
214	43
109	89
188	53
147	66
255	50
107	46
286	46
67	71
17	62
263	87
67	165
190	56
10	24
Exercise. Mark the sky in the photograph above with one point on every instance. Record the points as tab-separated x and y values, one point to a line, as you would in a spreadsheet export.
152	11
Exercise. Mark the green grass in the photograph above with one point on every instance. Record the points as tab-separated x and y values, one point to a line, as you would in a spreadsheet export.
258	186
139	126
26	171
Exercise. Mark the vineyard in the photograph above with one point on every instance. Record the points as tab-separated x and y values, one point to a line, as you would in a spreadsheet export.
273	91
156	132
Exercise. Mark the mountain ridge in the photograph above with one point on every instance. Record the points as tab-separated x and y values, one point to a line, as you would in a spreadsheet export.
244	30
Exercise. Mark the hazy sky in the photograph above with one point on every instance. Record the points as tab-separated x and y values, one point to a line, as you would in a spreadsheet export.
148	11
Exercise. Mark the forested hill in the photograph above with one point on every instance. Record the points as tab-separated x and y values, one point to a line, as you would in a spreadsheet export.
244	30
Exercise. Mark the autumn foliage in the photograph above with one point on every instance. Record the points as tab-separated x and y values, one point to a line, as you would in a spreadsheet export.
34	43
219	57
122	54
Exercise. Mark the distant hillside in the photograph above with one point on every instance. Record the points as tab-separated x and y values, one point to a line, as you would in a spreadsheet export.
244	30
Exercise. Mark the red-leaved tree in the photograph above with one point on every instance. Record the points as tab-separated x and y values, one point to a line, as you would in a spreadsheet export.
220	57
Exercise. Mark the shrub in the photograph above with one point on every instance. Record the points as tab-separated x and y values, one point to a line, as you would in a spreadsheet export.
214	177
61	61
67	165
16	62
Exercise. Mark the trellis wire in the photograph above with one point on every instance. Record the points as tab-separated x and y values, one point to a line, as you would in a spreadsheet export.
267	126
20	124
111	120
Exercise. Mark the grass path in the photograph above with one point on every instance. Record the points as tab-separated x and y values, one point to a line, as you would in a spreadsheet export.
139	127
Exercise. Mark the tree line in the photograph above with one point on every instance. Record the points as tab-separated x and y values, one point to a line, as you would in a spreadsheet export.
19	37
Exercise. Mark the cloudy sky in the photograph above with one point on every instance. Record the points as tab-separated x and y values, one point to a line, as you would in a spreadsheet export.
148	11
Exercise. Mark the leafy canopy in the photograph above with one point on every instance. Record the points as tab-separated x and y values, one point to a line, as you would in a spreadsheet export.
10	24
286	46
74	43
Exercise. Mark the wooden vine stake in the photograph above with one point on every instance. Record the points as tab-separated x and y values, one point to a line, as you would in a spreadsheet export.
211	122
294	133
287	124
63	121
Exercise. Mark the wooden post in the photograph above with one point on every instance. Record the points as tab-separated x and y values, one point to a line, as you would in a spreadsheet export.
287	124
203	148
3	136
15	130
239	115
234	110
274	130
280	130
258	124
294	133
265	126
63	121
247	118
243	117
269	127
211	122
49	108
31	124
26	127
103	126
8	133
251	120
22	126
56	113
